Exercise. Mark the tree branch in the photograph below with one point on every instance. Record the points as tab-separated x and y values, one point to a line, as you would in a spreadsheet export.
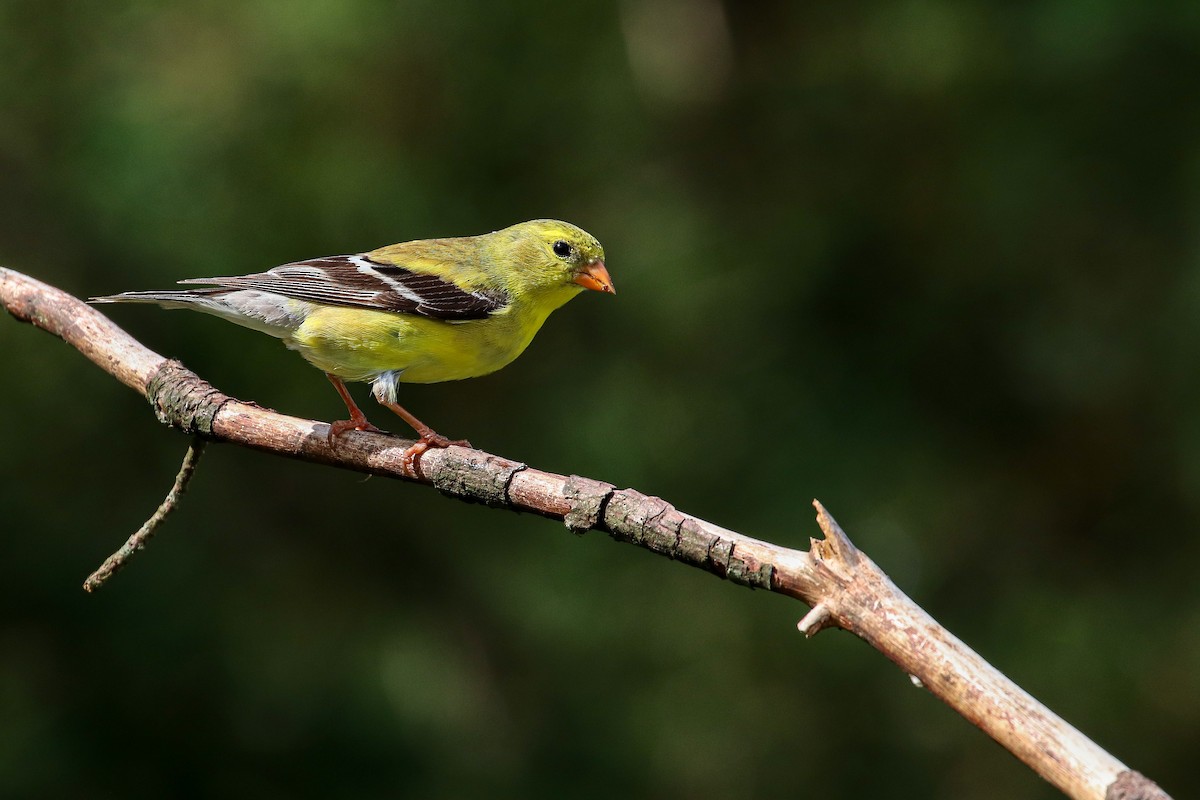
841	584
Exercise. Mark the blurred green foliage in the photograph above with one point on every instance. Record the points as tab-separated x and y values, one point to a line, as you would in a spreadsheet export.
934	263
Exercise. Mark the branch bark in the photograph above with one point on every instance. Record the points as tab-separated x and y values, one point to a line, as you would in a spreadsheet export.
842	585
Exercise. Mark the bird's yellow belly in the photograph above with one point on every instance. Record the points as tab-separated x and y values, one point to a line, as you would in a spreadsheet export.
359	345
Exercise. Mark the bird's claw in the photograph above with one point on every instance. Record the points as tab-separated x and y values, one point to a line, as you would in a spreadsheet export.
412	456
336	429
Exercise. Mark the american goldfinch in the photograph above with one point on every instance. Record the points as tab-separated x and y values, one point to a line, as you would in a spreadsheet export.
419	312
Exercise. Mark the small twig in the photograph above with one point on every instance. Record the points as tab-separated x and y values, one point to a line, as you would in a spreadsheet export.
814	621
143	535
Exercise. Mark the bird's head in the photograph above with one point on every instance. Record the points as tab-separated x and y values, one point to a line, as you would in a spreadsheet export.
559	256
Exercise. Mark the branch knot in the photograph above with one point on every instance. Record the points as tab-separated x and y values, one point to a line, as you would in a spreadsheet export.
183	399
474	475
588	498
1133	785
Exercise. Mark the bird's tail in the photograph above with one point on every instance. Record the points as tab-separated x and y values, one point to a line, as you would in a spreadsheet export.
260	311
189	298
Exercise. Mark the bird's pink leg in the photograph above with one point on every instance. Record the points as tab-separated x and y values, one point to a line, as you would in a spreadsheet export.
428	437
357	421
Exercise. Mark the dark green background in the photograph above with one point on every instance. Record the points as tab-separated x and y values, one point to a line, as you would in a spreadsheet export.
934	263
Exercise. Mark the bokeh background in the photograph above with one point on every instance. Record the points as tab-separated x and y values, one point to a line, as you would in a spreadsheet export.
933	263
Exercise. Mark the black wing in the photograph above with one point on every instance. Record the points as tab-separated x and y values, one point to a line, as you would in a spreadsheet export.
358	282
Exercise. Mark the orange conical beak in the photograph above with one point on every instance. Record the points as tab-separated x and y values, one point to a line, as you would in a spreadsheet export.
594	275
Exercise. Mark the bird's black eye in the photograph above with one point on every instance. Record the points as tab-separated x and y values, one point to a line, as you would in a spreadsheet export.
562	249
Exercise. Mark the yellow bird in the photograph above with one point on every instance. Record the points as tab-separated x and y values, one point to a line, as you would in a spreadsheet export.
418	312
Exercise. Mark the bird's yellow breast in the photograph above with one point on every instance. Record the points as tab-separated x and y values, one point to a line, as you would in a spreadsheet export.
359	344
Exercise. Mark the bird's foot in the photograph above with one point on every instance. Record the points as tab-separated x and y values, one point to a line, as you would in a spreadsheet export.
429	439
336	429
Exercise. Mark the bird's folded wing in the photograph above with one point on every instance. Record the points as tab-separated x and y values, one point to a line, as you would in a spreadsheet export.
357	281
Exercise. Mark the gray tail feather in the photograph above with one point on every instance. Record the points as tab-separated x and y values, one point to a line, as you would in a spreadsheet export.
205	300
171	299
259	311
